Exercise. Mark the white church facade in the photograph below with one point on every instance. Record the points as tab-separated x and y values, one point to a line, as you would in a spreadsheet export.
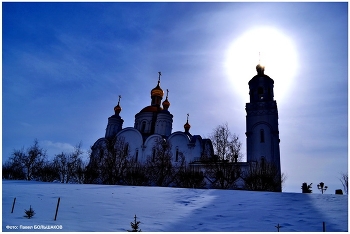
155	122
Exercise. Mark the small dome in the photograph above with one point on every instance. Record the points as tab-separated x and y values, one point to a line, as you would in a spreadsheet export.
117	109
157	91
166	104
187	126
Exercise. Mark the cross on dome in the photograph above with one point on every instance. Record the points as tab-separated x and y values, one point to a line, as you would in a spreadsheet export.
117	108
187	126
159	74
166	102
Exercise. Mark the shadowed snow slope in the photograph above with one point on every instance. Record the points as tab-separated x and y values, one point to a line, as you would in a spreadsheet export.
112	208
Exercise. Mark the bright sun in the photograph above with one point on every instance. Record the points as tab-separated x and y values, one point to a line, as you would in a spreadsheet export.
274	50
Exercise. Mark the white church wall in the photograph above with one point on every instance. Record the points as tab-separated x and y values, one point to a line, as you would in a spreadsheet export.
149	145
134	139
197	149
180	141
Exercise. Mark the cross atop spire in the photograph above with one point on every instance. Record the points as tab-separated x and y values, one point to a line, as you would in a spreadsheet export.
117	108
167	93
187	126
159	74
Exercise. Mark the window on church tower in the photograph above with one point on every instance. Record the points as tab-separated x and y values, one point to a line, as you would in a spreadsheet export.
143	126
177	155
262	136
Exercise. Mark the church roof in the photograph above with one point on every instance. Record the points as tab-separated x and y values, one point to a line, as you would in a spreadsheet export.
260	70
151	109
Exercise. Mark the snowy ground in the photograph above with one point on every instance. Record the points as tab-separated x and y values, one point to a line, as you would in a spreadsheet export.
112	208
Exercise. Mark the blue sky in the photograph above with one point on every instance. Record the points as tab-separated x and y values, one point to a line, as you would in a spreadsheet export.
64	65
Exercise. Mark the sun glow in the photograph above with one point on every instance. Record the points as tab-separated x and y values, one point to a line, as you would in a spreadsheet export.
270	48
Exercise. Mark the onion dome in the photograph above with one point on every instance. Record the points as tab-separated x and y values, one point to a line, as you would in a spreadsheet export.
166	102
117	108
260	69
187	126
157	91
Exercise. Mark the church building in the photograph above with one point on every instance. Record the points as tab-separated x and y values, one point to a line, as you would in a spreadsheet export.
155	122
152	123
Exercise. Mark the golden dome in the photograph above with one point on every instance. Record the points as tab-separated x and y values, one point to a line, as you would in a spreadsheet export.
166	104
157	91
187	126
117	108
260	69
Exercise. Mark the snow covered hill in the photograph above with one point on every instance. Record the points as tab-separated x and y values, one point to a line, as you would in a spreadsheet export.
112	208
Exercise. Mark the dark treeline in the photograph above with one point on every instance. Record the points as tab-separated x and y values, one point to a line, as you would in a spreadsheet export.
33	164
111	163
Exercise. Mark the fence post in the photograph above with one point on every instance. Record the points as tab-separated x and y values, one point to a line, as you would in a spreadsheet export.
58	203
324	226
13	204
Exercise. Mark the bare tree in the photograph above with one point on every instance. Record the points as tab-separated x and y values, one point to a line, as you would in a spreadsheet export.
263	176
70	165
344	180
222	174
13	169
61	165
28	162
189	178
227	145
48	172
222	170
136	174
109	161
160	168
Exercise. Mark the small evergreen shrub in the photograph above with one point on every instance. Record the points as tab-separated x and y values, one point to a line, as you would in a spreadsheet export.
29	213
135	226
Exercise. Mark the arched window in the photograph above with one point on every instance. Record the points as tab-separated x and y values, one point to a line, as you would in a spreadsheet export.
153	154
177	155
136	155
262	136
261	92
263	162
143	126
126	149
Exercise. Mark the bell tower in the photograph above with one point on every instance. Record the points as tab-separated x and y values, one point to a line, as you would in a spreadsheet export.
262	121
115	122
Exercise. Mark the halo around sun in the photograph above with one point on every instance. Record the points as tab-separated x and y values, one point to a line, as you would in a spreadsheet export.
270	48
